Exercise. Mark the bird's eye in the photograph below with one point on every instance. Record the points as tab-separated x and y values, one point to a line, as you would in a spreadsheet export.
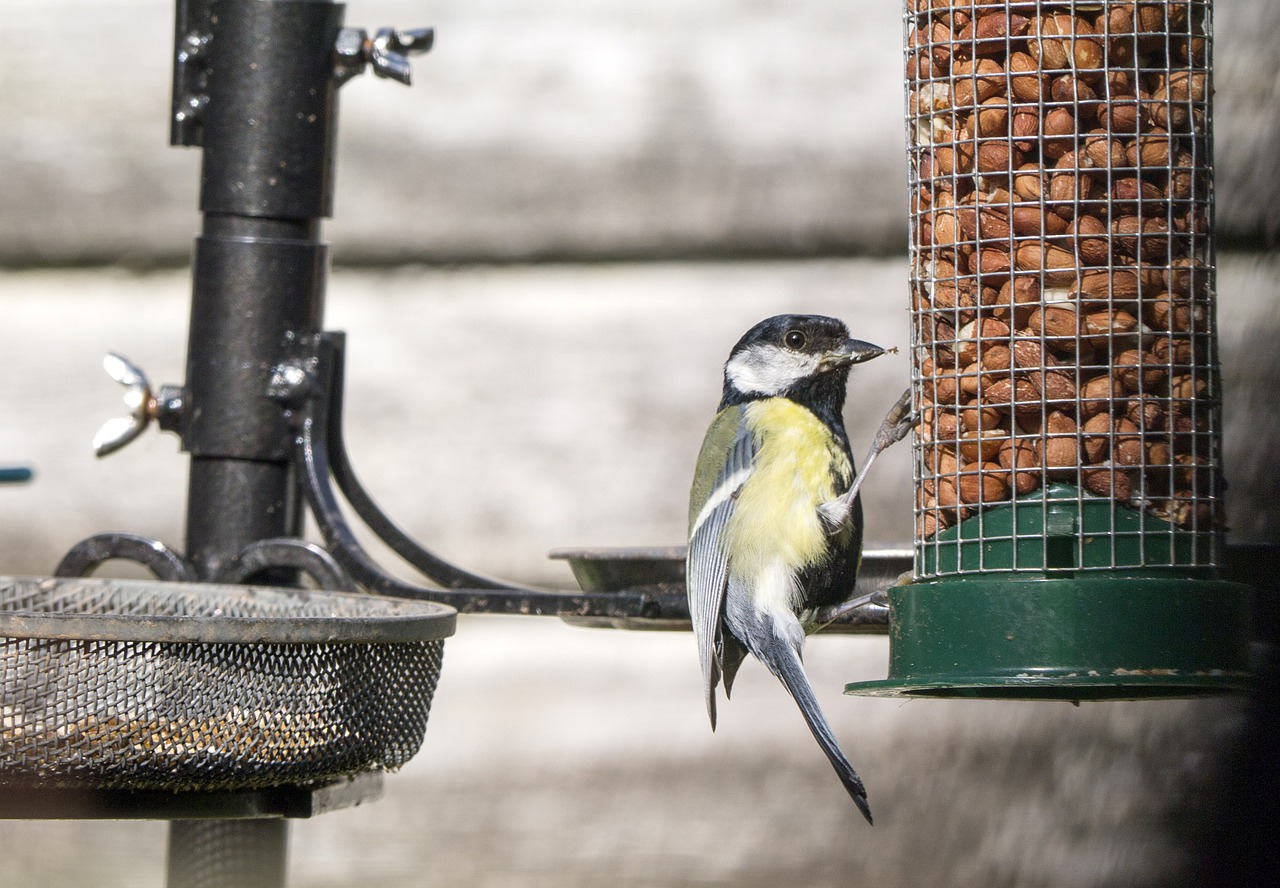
794	339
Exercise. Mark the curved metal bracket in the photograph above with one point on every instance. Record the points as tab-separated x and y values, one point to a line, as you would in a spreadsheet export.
430	565
168	565
301	555
164	563
316	420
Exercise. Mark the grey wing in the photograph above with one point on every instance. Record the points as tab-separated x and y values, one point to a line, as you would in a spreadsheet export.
707	563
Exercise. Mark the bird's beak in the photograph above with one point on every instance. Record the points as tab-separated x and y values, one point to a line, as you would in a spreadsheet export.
851	351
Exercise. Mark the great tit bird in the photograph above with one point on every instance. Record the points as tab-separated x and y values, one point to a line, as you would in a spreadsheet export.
764	555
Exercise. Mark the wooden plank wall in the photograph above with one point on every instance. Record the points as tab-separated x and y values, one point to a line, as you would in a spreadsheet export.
550	129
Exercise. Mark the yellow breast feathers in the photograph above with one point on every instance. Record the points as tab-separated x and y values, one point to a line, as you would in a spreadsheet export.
799	465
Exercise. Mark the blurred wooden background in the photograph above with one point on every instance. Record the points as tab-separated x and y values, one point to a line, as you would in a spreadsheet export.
679	169
563	128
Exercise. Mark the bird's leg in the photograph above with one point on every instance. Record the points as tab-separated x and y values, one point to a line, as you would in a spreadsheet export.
879	598
897	422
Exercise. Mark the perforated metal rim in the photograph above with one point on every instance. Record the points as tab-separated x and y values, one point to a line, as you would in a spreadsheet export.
360	619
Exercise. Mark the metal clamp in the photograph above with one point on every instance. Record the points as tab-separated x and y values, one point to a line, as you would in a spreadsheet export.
190	92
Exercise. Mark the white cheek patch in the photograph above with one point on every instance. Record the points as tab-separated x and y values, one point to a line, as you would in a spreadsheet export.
769	370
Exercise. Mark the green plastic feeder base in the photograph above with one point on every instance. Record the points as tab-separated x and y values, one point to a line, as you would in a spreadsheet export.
1092	638
1141	627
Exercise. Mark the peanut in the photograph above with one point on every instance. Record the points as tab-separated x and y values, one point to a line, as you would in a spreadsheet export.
1024	128
1091	240
1134	236
1030	182
1147	413
1026	81
1103	152
1030	219
1137	371
1169	312
1007	395
987	34
1060	447
1119	116
973	335
1056	385
1057	264
1150	150
1057	132
1098	394
979	485
1096	440
1053	321
1020	456
990	119
1186	387
982	445
1108	481
976	418
995	357
976	81
1126	443
1112	286
1106	325
991	265
997	155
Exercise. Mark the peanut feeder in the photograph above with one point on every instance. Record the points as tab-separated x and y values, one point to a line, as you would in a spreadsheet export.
1067	460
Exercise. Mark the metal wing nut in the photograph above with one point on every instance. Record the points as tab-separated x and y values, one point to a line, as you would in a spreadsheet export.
142	402
138	400
388	51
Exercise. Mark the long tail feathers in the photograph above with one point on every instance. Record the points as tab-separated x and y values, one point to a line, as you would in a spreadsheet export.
710	678
784	662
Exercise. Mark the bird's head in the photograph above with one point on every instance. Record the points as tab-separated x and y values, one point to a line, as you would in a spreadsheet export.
787	355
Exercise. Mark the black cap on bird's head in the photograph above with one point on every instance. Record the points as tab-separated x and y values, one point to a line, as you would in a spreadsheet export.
795	356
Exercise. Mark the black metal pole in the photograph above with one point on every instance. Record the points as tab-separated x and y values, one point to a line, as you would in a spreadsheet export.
259	265
267	132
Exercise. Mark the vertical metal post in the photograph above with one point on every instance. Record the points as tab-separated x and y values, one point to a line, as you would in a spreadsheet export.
226	853
267	130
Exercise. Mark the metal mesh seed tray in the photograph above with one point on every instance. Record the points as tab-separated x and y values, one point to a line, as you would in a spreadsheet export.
181	686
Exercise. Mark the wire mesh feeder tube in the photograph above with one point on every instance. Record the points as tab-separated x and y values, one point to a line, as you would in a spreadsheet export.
1064	352
112	684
